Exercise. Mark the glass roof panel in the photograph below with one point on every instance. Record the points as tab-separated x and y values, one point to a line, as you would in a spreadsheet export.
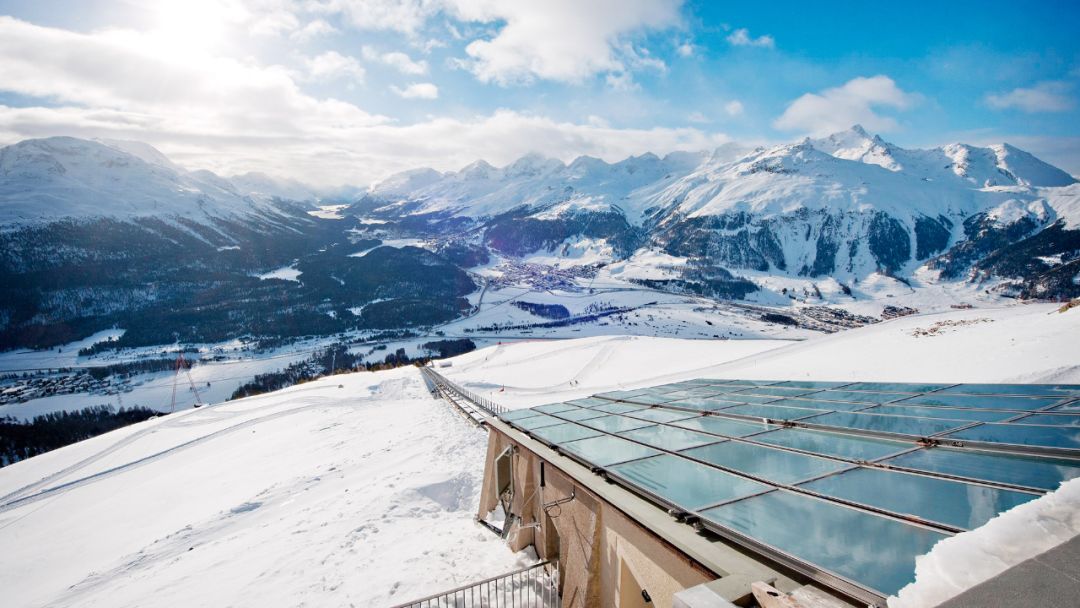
750	398
622	394
670	437
995	402
723	426
588	402
1051	419
555	408
519	414
563	433
955	503
1021	434
860	397
1027	471
776	391
1063	390
535	422
853	447
844	541
813	384
651	399
898	387
615	423
1073	406
774	412
778	466
581	414
817	404
661	415
942	412
688	484
618	408
607	450
705	404
903	425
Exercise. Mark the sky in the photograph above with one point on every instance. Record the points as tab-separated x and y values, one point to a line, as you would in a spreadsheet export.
334	92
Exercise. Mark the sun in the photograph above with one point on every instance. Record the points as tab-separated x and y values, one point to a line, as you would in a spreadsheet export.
194	25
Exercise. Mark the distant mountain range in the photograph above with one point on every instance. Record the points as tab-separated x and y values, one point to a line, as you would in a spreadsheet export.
844	206
98	232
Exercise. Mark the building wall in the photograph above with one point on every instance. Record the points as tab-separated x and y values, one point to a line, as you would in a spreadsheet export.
606	558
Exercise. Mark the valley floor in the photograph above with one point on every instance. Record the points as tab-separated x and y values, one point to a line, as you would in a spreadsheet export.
361	489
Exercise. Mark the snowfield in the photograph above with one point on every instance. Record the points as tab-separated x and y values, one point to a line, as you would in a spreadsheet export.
361	489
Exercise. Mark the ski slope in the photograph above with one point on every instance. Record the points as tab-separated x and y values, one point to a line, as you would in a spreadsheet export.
361	489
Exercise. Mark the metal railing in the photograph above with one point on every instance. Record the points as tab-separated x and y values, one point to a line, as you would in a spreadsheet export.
486	405
536	586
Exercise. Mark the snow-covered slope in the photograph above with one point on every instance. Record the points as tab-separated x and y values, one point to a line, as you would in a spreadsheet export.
360	489
65	177
357	489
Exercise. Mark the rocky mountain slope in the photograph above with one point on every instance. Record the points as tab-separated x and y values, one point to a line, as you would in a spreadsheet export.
845	206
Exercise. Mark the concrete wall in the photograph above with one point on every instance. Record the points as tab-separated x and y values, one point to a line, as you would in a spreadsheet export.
605	557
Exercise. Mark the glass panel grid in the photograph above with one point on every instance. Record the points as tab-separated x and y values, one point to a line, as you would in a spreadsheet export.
565	433
841	540
994	402
634	446
772	464
851	447
884	423
1015	469
953	503
614	423
728	427
773	412
581	414
686	483
859	397
710	404
555	408
1062	390
606	450
670	438
519	414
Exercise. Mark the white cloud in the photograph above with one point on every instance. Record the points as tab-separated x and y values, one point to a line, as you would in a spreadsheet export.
418	90
313	29
858	101
733	108
1049	96
512	41
560	40
685	50
274	23
232	116
332	65
406	16
742	37
397	60
698	117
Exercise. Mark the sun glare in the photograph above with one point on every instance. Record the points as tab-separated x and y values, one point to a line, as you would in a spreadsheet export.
193	25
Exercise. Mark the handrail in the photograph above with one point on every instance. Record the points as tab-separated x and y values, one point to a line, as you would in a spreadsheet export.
486	405
529	586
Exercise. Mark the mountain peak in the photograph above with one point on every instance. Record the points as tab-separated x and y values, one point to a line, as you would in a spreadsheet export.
858	145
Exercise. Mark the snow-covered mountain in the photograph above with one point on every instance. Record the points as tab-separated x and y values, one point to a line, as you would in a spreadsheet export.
44	180
844	206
